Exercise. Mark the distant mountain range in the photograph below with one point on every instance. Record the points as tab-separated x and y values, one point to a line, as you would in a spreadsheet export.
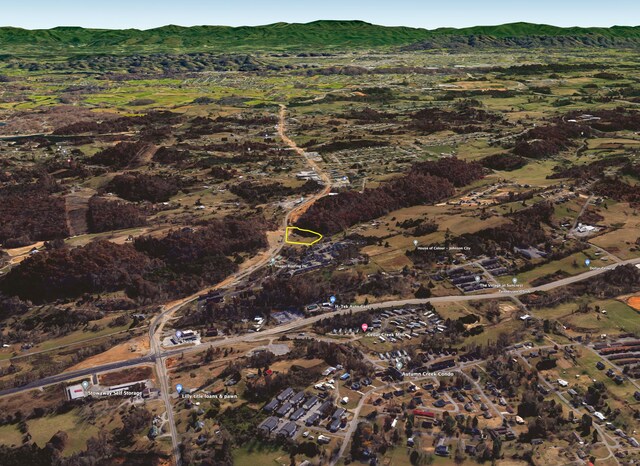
319	36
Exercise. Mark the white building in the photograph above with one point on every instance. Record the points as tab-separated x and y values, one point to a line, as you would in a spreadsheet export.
75	392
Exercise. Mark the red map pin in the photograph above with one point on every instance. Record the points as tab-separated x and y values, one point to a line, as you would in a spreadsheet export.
364	327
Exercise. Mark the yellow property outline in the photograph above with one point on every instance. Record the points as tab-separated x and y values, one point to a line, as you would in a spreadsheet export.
288	241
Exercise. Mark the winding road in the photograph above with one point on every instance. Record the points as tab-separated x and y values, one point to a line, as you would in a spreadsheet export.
157	355
158	323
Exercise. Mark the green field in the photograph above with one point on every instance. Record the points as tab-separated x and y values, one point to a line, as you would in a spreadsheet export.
565	265
10	435
257	453
620	318
43	429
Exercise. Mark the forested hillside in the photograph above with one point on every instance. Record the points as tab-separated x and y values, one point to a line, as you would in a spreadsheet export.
316	36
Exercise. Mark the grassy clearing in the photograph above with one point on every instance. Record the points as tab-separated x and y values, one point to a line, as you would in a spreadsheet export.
256	452
79	432
620	318
491	333
10	435
570	265
534	173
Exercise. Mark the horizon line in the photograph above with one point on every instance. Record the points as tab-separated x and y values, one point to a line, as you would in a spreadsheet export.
311	22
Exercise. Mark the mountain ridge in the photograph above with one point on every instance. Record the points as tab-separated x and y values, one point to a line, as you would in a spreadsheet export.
322	35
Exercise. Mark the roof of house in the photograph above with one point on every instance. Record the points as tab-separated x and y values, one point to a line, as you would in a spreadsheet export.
269	423
286	393
284	409
288	429
297	398
310	402
273	404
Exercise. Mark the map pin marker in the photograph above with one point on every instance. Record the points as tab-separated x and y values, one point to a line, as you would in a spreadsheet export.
179	388
587	262
332	299
85	384
365	326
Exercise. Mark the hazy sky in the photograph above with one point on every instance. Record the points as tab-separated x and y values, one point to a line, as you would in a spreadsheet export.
144	14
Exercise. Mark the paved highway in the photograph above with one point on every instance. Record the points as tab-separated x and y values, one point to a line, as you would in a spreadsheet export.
158	323
301	323
158	356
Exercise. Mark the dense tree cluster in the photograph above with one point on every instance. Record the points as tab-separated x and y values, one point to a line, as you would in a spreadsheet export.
472	93
457	171
464	120
219	173
249	119
541	68
350	144
137	66
542	41
546	415
62	273
548	140
239	147
120	155
105	215
426	182
133	422
379	285
263	389
368	115
151	269
120	124
32	212
276	293
171	156
589	170
202	126
256	193
332	214
617	119
631	169
195	256
617	189
142	187
505	162
525	230
367	94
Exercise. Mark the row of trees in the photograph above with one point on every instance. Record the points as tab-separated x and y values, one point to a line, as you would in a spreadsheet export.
256	193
